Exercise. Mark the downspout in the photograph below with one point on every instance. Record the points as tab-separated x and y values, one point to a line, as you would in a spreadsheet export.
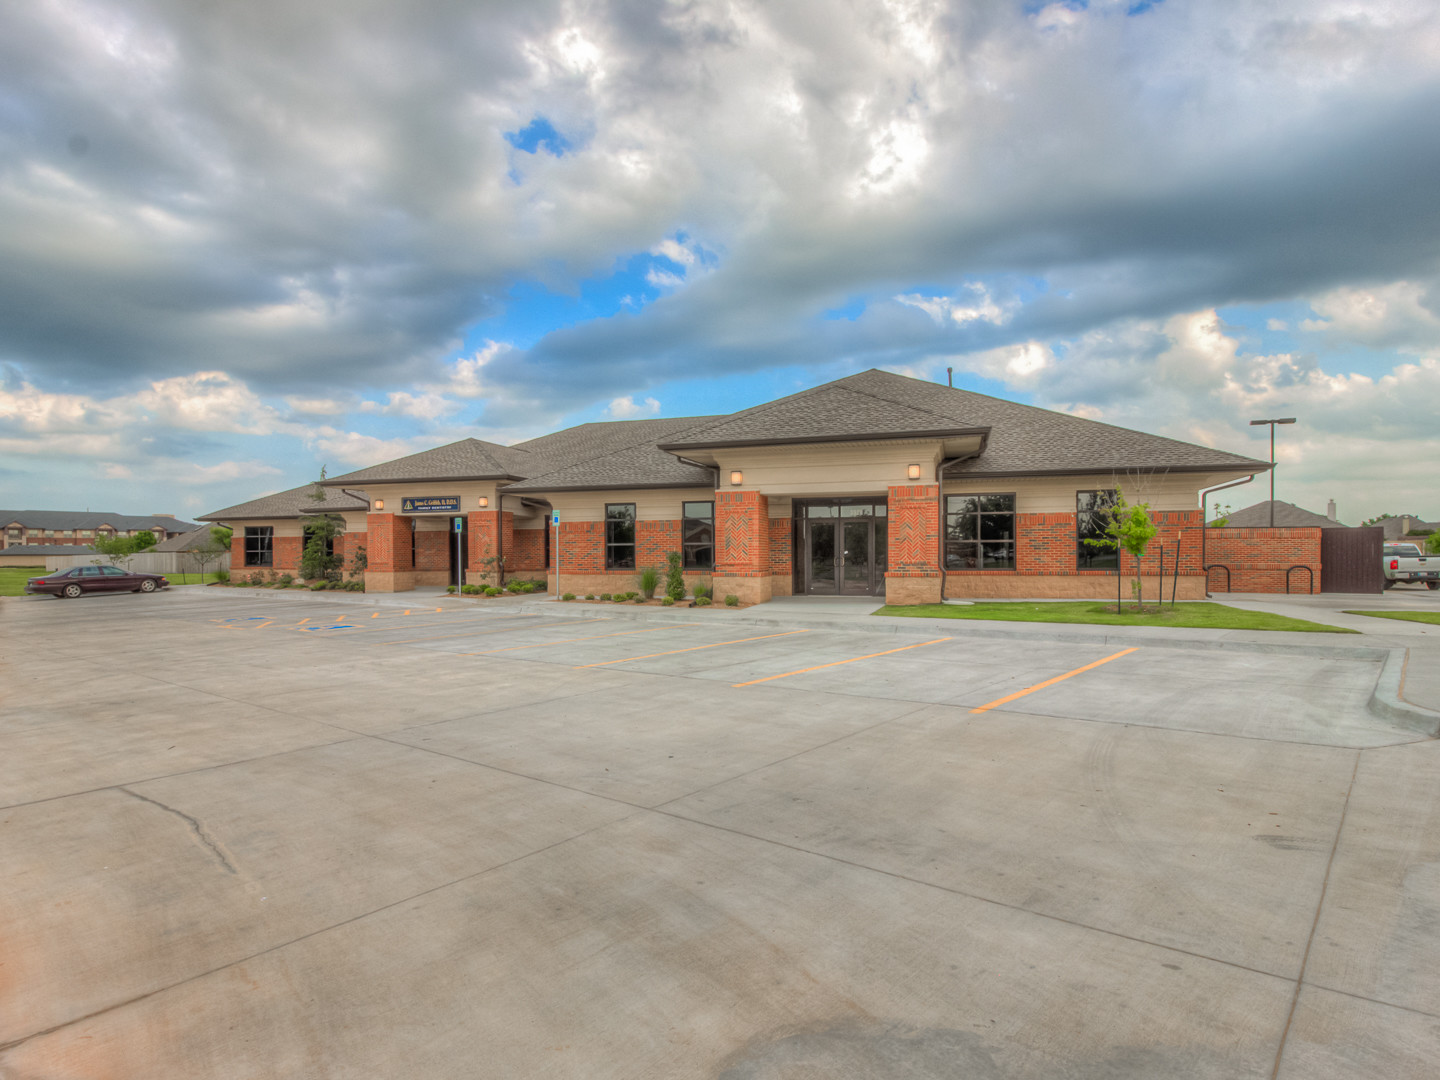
500	538
1205	494
940	509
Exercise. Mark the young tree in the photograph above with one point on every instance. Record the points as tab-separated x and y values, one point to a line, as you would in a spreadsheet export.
210	552
117	549
144	540
1222	516
318	561
1128	528
674	578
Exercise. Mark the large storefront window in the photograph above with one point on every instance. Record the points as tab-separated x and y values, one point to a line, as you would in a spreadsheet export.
980	532
619	536
697	535
259	545
1092	508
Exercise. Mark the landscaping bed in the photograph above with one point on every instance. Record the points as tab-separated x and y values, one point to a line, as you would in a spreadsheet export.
1204	616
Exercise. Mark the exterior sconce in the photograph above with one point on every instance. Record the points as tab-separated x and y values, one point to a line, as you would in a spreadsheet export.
484	501
913	471
736	477
379	504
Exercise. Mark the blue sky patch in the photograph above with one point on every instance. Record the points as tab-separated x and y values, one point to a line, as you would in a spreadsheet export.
538	135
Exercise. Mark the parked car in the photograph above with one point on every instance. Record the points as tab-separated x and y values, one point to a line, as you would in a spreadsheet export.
1406	562
89	579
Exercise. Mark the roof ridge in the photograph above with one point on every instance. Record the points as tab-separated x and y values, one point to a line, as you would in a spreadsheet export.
607	454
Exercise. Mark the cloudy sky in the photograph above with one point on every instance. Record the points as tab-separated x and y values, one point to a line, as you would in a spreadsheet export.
240	241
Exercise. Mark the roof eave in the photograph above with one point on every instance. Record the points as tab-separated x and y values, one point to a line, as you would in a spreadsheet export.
451	479
610	487
881	436
1081	470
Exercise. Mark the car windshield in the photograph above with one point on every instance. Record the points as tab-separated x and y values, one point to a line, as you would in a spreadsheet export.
1404	551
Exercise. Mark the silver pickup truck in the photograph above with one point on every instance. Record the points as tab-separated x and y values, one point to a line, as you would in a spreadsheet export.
1407	562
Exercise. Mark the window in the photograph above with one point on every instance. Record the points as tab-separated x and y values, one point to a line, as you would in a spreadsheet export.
258	543
112	571
697	535
619	536
1091	511
980	532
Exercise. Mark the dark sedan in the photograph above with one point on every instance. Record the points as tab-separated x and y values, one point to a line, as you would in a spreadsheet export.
91	579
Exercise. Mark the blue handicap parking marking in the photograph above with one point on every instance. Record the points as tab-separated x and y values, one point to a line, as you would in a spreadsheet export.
337	626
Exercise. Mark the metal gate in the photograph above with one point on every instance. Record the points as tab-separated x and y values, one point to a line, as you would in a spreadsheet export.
1350	560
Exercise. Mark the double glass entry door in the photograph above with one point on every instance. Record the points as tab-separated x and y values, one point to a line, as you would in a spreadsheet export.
845	547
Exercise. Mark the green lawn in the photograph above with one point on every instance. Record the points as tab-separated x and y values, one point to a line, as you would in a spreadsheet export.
13	578
1403	616
1211	616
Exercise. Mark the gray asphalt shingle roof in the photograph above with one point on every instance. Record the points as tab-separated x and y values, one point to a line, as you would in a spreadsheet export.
285	504
86	519
1287	516
47	549
616	457
468	459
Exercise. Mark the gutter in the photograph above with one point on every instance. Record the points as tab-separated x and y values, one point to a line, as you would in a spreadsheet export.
1205	494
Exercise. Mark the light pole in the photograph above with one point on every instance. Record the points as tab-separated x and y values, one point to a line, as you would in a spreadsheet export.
1272	423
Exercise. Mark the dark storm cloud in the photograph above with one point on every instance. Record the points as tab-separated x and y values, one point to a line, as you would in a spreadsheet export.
320	195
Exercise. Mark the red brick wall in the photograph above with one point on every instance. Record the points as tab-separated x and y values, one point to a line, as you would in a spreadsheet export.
432	550
527	553
387	542
583	544
1046	544
914	531
781	547
742	534
654	541
1259	558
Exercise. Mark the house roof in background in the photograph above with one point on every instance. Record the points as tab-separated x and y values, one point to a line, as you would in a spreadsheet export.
47	549
1287	516
86	519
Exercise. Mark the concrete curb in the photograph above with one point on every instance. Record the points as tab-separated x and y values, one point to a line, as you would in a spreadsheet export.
1387	703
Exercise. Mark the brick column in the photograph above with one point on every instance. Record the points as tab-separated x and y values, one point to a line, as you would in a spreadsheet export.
742	546
387	550
487	528
914	573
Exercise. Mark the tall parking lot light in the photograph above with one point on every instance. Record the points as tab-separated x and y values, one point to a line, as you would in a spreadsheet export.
1272	423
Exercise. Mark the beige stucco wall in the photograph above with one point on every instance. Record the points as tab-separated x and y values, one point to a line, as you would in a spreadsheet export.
468	491
651	504
838	469
1056	494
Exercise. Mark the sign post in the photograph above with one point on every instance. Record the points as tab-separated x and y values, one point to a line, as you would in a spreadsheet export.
555	521
459	524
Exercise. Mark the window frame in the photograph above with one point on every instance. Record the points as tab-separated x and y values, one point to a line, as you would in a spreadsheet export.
1083	559
614	549
687	547
259	545
979	542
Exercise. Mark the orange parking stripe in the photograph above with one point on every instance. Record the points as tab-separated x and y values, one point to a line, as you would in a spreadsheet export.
837	663
693	648
1051	682
564	641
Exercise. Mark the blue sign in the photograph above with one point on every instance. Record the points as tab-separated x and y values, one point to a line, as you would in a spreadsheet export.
555	519
459	524
431	504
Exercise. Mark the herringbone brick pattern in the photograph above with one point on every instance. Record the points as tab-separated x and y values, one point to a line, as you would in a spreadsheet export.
914	517
743	534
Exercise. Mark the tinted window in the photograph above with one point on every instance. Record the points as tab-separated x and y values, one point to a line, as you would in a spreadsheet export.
258	544
619	536
1091	513
697	535
980	532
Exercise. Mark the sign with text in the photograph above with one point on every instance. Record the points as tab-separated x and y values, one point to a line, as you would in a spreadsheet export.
431	504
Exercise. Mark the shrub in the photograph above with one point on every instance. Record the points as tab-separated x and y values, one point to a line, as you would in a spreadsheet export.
665	601
471	590
589	596
355	586
526	588
642	599
222	575
491	590
605	596
286	579
674	577
514	585
449	588
619	598
702	601
701	591
649	581
317	586
568	596
732	600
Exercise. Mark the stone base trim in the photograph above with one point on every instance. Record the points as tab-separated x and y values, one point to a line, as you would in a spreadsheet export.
912	588
1003	586
583	583
390	580
749	590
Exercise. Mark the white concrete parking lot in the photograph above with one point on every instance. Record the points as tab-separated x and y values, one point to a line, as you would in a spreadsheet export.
307	836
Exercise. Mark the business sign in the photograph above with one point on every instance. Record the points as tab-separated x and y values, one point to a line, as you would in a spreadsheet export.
555	519
431	504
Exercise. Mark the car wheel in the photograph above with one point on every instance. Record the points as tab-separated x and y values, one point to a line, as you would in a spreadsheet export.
72	591
147	585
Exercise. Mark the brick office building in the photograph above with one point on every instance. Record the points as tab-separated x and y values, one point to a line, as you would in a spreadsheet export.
875	484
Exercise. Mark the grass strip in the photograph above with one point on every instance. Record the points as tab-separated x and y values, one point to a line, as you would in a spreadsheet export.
13	578
1206	616
1432	617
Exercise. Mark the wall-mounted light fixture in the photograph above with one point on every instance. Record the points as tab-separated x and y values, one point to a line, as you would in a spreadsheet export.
736	477
913	471
379	504
484	501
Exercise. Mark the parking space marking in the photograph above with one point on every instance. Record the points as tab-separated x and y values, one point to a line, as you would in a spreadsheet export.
564	641
693	648
1050	682
837	663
